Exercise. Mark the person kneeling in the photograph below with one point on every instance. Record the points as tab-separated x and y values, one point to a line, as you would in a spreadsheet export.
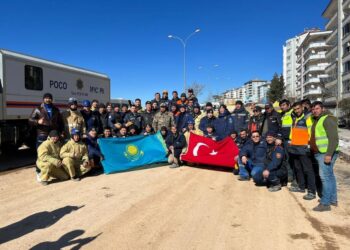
251	159
75	156
49	161
274	171
175	143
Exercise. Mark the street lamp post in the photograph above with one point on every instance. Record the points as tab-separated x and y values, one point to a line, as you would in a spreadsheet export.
184	43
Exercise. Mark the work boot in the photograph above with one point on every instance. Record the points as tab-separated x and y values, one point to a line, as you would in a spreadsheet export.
174	165
309	196
44	183
75	178
275	188
241	178
235	171
296	190
334	204
38	177
322	208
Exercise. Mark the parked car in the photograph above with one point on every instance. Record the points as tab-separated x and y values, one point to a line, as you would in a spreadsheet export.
342	122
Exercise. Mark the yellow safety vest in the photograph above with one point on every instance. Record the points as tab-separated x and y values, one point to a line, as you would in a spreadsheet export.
321	136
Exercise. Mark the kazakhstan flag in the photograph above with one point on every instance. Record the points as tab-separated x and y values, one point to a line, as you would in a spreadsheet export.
122	154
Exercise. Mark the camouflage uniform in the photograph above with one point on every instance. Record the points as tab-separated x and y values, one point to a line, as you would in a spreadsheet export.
163	119
48	161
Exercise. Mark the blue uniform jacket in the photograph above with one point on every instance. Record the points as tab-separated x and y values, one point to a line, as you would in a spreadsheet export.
240	119
255	152
223	125
274	157
205	121
181	121
93	148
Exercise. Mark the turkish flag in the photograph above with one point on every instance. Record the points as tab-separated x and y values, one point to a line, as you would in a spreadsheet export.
209	152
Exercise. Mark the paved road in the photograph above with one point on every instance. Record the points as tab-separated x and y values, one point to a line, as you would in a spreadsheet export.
162	208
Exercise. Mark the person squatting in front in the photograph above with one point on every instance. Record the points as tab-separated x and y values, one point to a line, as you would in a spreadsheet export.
49	161
74	155
175	143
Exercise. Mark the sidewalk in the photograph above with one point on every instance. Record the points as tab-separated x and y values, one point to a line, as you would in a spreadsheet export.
344	143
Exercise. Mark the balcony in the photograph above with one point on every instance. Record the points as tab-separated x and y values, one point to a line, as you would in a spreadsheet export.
333	52
331	66
346	6
346	75
331	83
315	57
316	45
312	80
332	39
315	68
317	91
332	23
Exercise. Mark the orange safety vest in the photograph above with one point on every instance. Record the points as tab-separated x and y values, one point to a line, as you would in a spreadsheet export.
300	133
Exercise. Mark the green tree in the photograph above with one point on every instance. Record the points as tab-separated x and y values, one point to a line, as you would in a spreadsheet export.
276	90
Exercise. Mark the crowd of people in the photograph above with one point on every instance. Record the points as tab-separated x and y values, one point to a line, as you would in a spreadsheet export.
297	145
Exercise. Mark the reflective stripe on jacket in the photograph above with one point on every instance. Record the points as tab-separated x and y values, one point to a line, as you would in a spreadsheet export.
321	136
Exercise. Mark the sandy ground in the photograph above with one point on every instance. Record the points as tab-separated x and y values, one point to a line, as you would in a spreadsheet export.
162	208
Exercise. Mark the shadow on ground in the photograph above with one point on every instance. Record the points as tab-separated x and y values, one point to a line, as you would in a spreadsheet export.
33	222
66	240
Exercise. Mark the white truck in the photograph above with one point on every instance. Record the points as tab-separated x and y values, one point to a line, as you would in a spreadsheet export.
23	81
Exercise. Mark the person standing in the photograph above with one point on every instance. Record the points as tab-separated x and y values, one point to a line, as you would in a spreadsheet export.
163	118
191	96
286	125
256	120
223	124
272	120
197	115
324	143
133	118
300	153
165	98
209	119
72	118
182	119
175	98
147	115
45	118
240	117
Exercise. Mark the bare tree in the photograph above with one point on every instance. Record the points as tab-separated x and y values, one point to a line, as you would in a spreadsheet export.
197	88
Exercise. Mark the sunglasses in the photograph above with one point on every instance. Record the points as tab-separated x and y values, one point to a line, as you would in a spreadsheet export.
255	136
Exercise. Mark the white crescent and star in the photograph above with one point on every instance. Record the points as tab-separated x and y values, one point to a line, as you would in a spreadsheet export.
199	144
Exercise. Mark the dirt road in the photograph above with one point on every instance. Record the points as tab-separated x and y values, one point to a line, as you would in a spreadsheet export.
162	208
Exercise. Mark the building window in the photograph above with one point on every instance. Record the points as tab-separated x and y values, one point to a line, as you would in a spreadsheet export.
346	67
33	77
346	29
346	86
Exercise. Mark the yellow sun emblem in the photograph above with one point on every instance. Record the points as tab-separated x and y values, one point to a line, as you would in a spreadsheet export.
132	152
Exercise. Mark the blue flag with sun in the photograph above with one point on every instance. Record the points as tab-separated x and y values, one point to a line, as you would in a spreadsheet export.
122	154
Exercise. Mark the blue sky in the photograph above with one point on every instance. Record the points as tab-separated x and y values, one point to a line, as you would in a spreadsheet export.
128	40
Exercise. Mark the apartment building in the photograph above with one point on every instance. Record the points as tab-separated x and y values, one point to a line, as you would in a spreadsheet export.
338	81
311	66
252	90
290	63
